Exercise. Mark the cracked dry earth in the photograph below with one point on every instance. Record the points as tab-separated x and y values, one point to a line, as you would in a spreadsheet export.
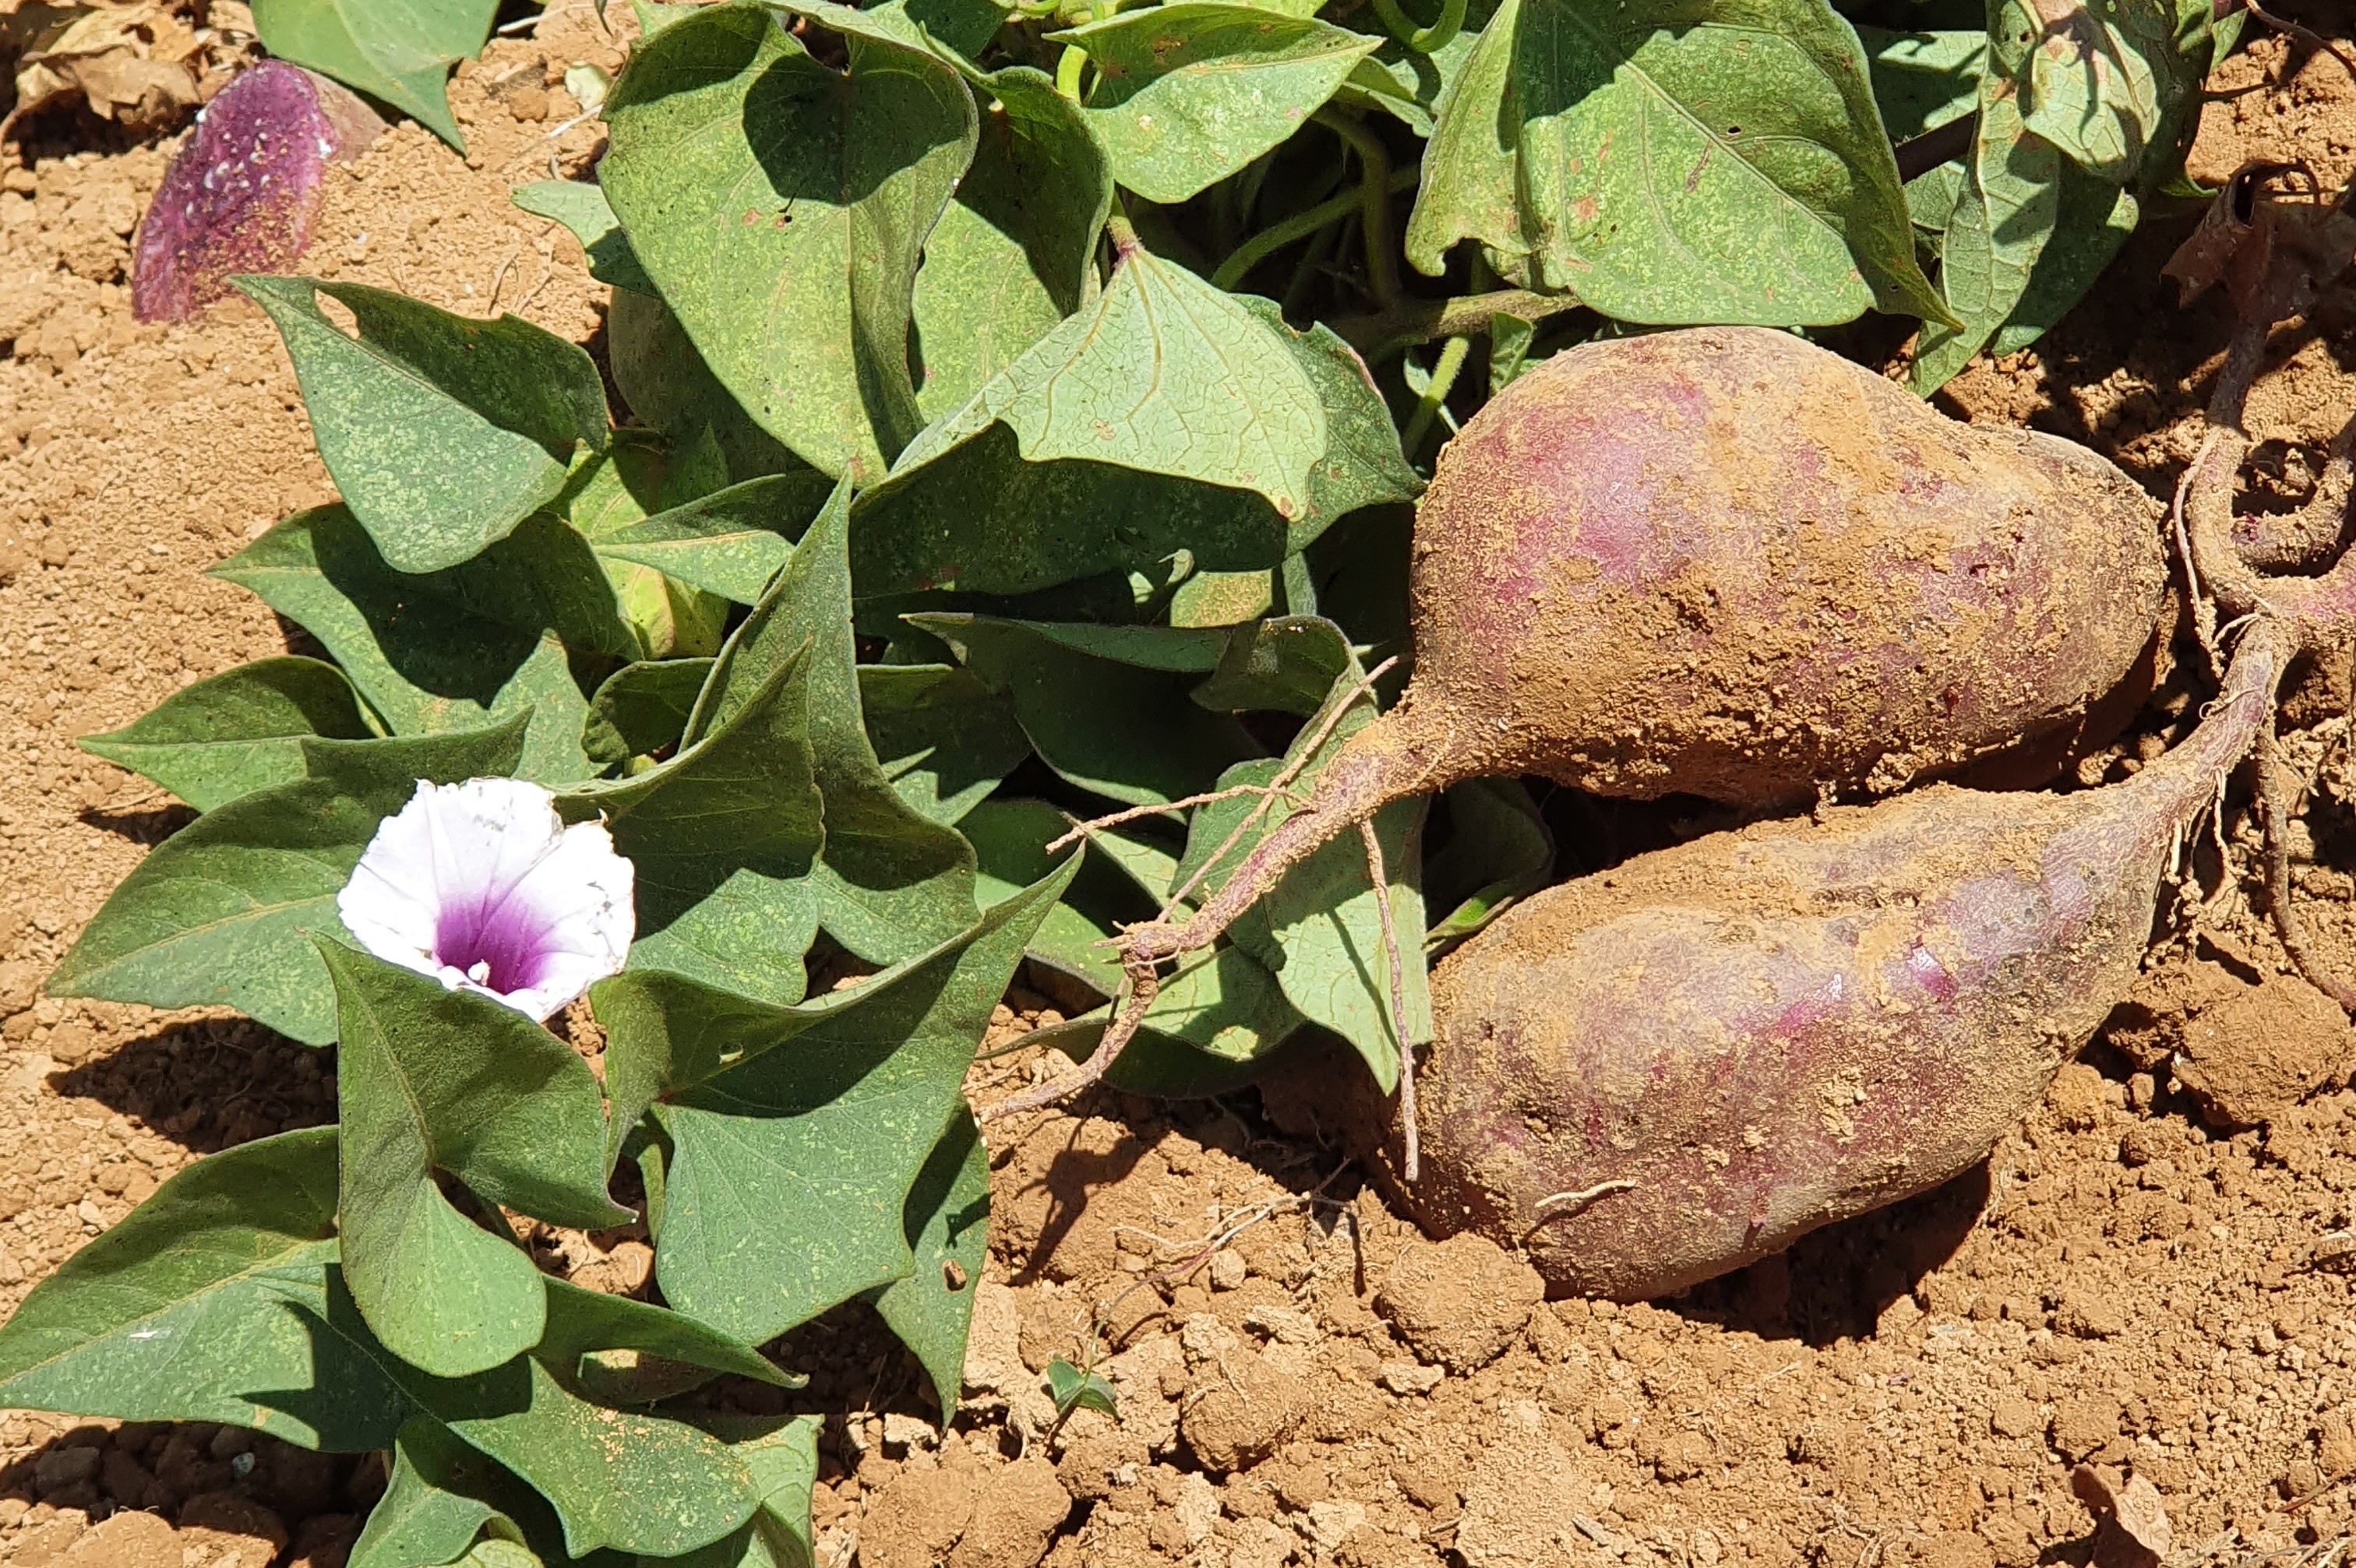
2150	1275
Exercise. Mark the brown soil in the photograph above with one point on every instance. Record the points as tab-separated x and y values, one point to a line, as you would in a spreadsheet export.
2146	1275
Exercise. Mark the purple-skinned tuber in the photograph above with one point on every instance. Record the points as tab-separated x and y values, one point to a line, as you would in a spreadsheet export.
1654	1074
243	195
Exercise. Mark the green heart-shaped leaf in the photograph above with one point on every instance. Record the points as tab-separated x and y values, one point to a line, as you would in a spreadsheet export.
1167	415
942	737
781	207
582	206
1191	92
1106	706
2003	219
1670	161
1010	255
730	542
641	708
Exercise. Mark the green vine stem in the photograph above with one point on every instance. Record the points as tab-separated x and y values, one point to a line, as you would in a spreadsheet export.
1068	66
1426	407
1374	200
1277	236
1422	40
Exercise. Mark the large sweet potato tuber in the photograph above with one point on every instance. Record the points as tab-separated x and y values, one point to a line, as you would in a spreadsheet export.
1657	1073
1727	563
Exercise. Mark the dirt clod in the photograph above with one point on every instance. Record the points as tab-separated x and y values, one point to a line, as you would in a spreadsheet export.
1459	1302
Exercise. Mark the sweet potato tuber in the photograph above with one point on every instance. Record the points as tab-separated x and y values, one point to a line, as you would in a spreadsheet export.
1727	563
1654	1074
243	195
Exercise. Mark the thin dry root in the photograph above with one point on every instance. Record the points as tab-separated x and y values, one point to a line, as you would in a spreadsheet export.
1080	830
1565	1205
2302	33
1144	985
2274	816
1382	883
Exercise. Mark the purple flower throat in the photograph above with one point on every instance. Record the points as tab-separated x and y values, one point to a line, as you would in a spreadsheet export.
497	940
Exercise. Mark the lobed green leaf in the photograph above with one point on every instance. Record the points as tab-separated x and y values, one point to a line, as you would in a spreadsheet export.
432	1082
425	653
222	913
442	432
236	732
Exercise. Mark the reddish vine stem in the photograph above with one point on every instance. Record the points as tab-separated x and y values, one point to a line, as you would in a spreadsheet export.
1143	988
2275	811
1141	974
1380	877
2302	33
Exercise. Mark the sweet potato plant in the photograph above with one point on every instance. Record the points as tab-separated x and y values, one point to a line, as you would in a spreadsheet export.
1005	525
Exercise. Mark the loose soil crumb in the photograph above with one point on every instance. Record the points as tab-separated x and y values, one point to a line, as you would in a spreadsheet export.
2149	1277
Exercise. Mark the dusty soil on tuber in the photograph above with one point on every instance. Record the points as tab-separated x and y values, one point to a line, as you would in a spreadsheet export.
2151	1275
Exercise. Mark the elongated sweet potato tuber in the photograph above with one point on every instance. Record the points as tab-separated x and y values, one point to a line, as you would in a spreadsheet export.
1657	1073
1727	563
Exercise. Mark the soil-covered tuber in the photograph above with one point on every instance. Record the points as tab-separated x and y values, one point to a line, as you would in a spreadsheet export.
1657	1073
1724	562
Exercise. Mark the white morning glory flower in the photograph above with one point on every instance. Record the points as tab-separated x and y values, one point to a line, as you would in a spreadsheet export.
482	886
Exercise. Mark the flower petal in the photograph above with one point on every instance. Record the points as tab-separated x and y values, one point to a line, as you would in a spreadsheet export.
481	885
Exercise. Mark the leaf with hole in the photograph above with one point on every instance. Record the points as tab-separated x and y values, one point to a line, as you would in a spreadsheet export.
947	1219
